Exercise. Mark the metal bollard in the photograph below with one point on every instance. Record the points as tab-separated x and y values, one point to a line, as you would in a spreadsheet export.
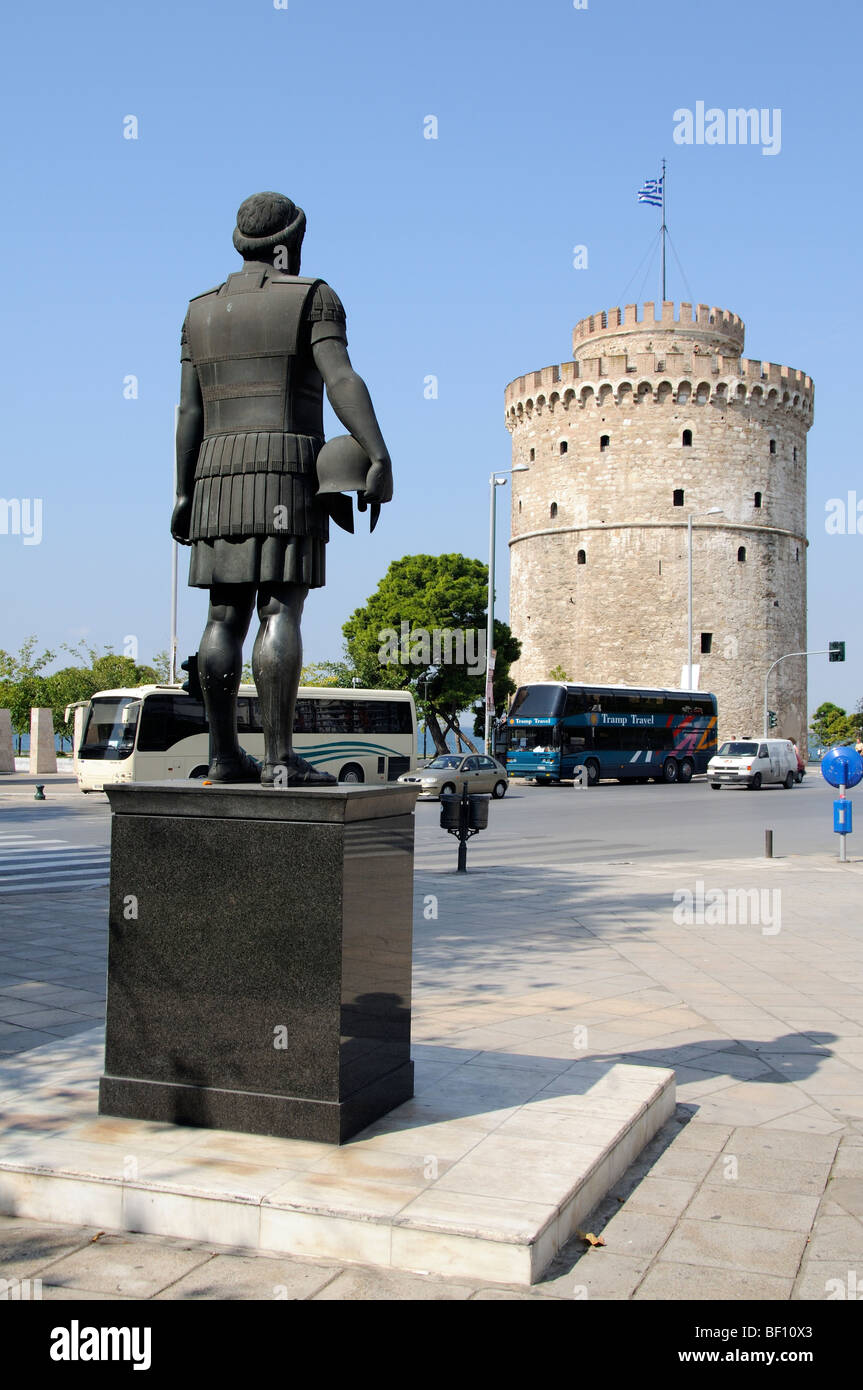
40	792
768	844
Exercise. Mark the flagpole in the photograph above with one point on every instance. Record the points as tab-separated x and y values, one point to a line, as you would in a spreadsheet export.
663	231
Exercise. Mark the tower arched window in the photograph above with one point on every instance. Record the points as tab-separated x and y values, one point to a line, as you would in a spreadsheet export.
552	511
758	499
604	441
519	504
563	446
773	446
678	497
581	558
532	455
687	439
741	554
795	453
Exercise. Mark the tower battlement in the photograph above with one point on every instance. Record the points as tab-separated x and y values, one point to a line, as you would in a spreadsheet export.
692	377
717	329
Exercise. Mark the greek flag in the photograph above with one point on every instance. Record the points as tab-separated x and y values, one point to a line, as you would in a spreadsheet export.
651	193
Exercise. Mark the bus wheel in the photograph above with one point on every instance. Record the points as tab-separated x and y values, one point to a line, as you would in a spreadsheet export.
351	772
669	770
686	770
200	771
591	767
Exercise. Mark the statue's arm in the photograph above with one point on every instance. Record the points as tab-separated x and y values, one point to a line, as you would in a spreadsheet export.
190	432
350	399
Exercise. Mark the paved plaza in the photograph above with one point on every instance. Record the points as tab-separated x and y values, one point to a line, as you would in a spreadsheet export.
743	975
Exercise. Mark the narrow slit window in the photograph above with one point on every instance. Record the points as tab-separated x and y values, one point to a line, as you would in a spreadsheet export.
604	441
758	499
563	446
532	455
741	554
678	497
687	439
582	558
552	511
773	446
706	643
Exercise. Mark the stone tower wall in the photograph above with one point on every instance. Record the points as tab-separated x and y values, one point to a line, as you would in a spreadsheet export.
621	615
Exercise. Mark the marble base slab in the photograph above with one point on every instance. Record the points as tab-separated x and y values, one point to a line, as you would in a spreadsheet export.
485	1173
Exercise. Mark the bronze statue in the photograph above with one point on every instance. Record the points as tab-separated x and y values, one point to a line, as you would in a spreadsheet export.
256	354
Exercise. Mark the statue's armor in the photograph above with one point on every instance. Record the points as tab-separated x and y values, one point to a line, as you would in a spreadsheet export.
254	515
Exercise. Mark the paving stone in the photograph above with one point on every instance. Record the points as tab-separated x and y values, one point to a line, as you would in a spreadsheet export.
115	1264
832	1280
635	1233
600	1273
772	1173
750	1248
29	1248
673	1282
667	1197
699	1135
391	1286
778	1211
259	1277
837	1238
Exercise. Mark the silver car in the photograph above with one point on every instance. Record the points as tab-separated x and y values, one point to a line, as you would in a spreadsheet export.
448	772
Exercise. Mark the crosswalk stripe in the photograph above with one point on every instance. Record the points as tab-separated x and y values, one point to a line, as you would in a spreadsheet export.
29	864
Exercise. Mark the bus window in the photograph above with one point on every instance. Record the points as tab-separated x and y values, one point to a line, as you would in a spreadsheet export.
168	718
110	728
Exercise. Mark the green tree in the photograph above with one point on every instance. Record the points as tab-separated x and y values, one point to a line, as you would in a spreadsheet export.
161	664
337	673
831	725
557	673
431	594
22	684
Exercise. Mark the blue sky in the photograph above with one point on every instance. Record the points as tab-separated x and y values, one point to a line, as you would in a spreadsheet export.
453	256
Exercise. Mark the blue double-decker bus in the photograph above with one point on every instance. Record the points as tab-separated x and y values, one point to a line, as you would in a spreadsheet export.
628	732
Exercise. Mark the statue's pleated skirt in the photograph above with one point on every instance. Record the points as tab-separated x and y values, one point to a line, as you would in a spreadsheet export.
255	518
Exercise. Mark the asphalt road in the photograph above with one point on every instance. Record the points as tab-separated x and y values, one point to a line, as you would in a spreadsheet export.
535	825
614	821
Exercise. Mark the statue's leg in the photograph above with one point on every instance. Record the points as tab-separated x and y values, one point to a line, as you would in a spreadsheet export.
277	660
220	666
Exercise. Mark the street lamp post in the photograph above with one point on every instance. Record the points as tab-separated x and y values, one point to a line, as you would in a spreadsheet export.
495	481
693	516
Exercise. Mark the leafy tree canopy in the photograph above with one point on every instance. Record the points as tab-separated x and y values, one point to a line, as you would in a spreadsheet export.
831	725
424	629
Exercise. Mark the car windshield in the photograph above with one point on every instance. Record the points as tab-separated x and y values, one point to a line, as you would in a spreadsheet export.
738	750
446	760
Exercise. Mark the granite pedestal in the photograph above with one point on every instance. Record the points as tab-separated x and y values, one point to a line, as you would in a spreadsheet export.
259	967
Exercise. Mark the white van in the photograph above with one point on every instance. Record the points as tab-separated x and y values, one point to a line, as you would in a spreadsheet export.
753	763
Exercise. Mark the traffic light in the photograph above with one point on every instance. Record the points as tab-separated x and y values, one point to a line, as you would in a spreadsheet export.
836	651
771	718
193	684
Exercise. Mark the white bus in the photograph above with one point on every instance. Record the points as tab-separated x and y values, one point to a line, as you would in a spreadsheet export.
153	732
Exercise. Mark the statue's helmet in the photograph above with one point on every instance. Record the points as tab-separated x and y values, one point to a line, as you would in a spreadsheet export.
342	467
267	221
